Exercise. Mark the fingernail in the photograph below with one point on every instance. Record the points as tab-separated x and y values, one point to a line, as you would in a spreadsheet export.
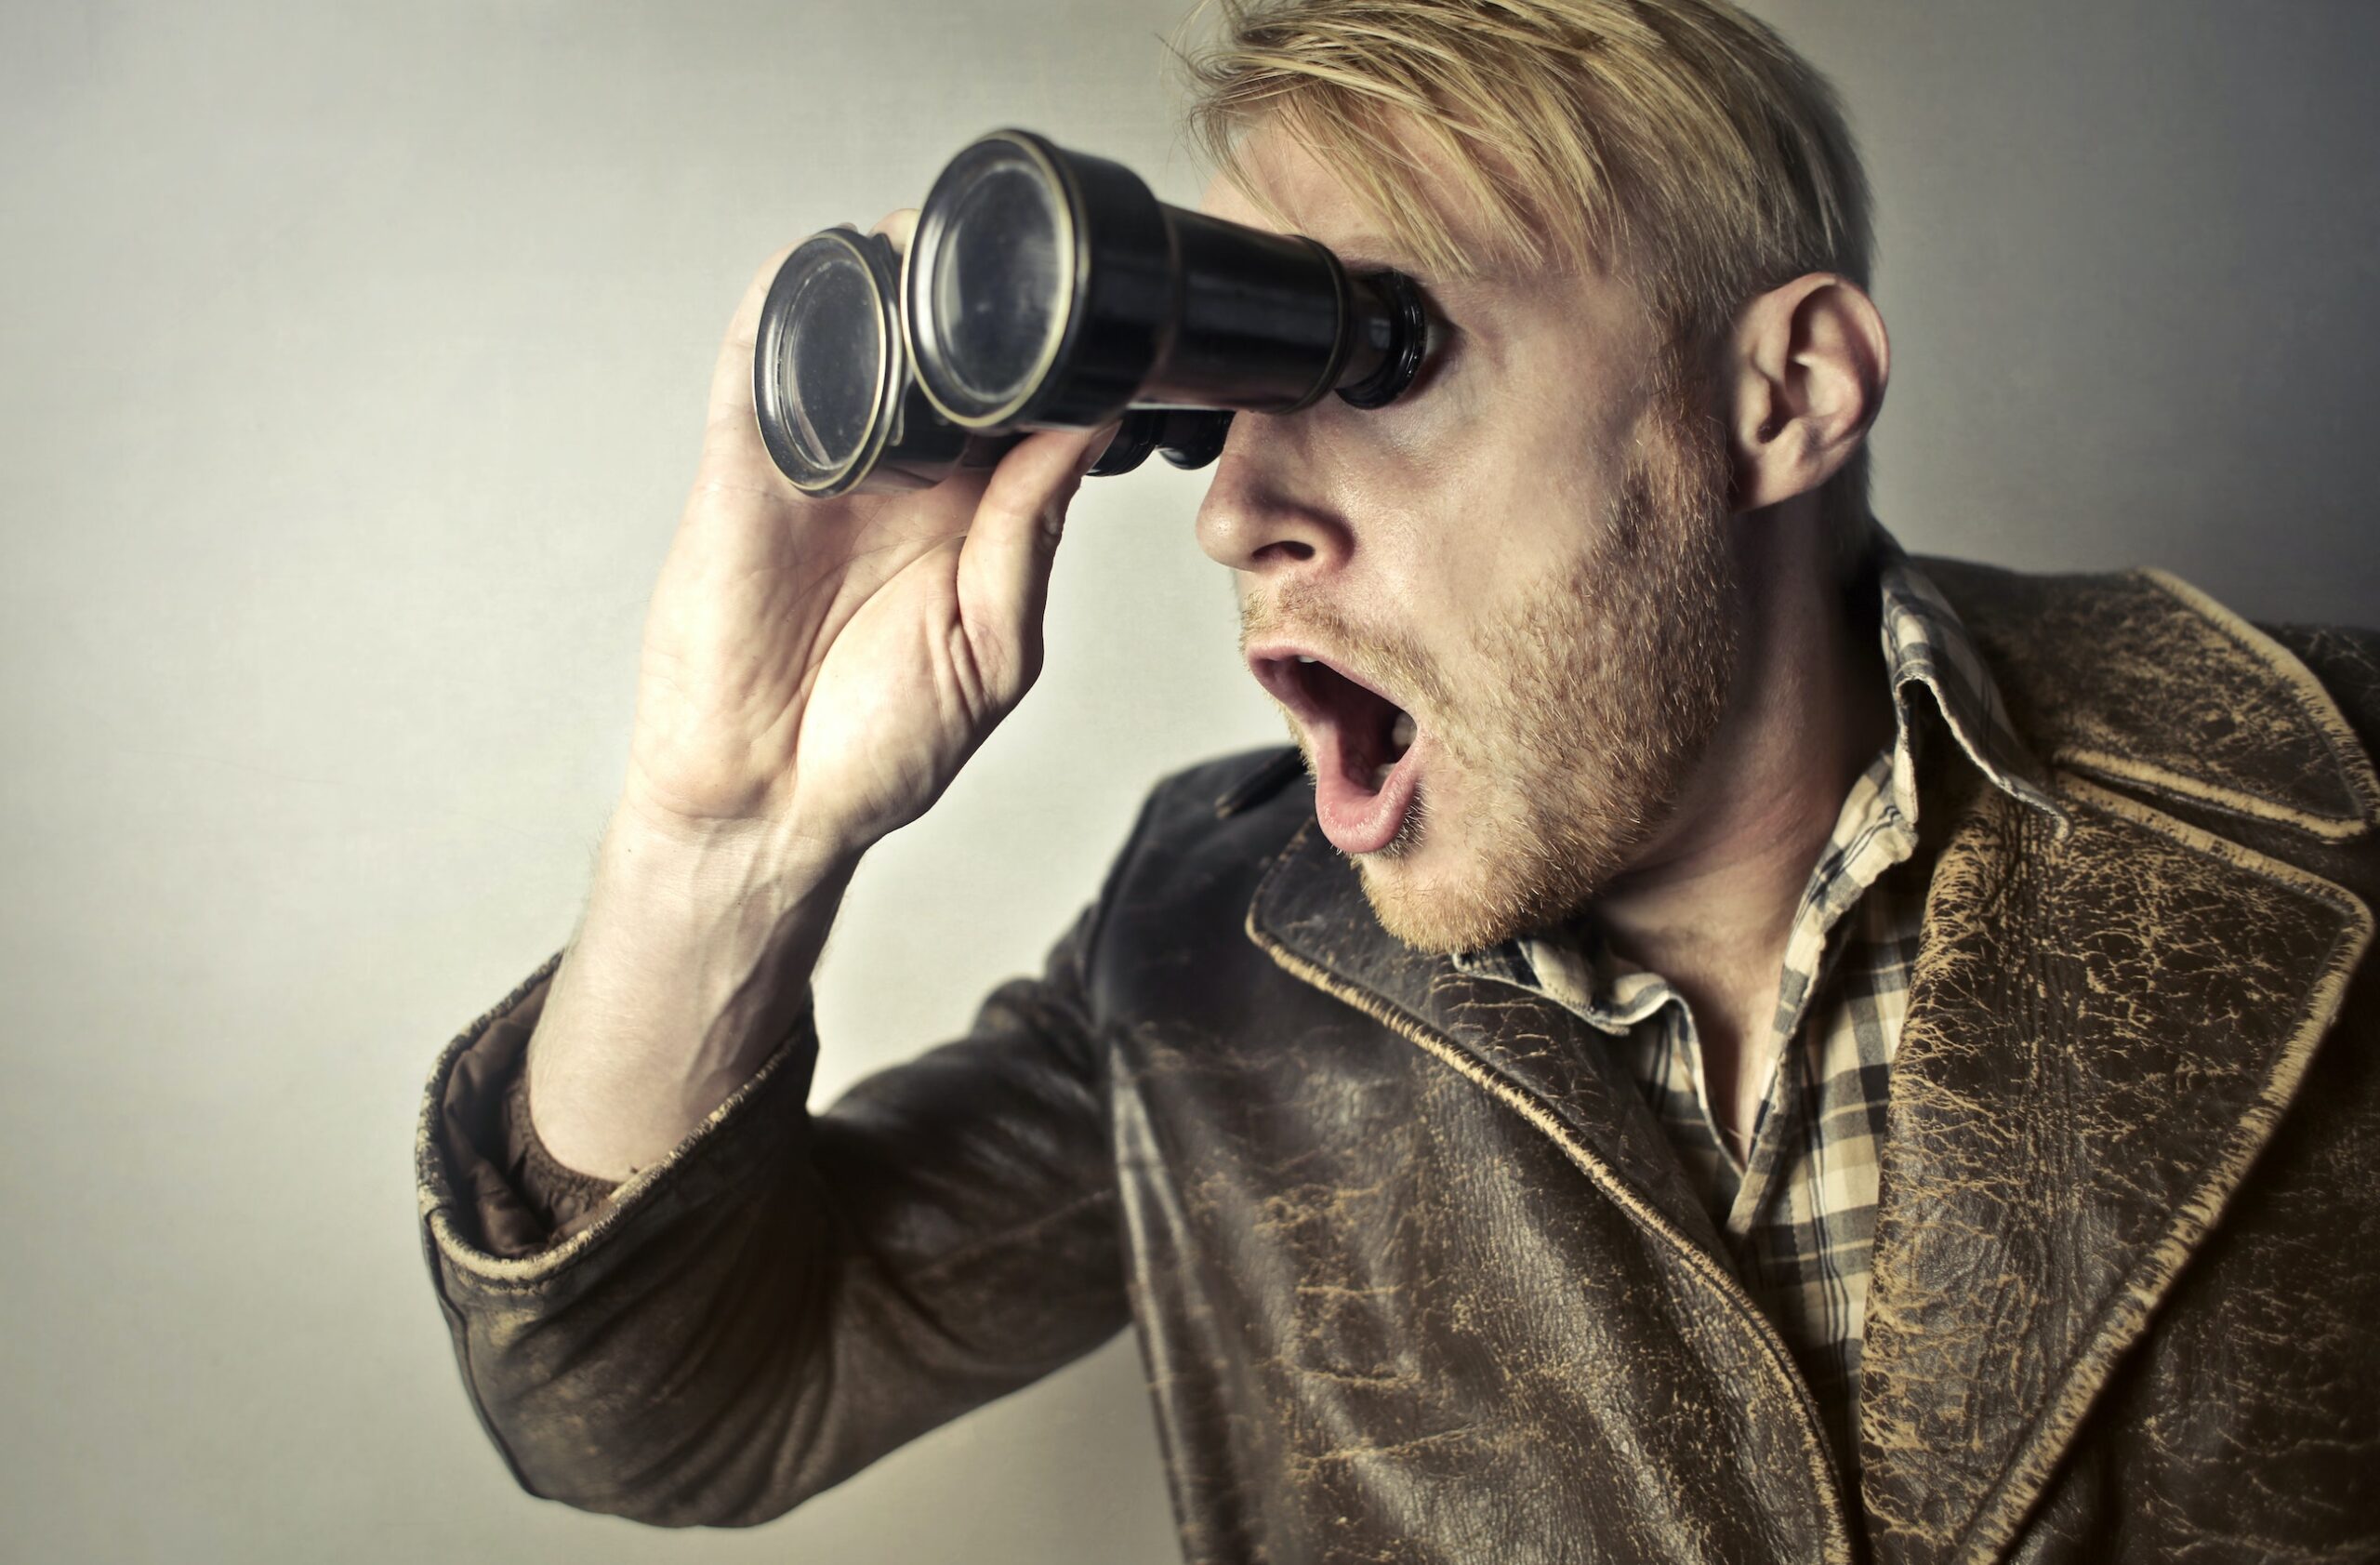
1095	448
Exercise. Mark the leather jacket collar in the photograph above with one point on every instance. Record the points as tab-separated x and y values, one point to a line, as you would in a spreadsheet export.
2043	1182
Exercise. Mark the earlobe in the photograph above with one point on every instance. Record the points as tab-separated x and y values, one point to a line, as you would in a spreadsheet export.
1810	361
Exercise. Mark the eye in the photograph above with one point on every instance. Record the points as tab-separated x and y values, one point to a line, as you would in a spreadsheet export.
1441	343
1400	330
1444	341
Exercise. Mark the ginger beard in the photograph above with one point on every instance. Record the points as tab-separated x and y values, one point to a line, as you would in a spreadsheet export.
1568	725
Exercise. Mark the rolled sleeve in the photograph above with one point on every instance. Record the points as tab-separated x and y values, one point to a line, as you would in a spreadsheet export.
785	1296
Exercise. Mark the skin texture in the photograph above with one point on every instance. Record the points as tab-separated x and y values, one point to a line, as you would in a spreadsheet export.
1512	539
1515	570
1602	590
813	675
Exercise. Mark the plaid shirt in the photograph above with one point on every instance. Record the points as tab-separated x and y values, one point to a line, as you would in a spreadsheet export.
1800	1213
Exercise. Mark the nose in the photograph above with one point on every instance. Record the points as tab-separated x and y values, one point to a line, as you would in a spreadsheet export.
1262	513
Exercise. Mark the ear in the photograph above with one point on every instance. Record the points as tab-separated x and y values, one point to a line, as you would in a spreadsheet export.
1807	366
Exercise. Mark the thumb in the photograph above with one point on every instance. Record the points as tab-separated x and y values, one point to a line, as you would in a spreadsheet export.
1005	560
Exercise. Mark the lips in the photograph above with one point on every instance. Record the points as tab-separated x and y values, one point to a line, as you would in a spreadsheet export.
1368	750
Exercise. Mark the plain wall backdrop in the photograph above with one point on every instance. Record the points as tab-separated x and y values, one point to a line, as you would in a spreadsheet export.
354	358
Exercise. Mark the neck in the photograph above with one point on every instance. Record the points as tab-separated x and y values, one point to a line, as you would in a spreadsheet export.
1709	901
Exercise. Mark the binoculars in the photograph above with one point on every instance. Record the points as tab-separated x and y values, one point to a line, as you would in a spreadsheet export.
1049	289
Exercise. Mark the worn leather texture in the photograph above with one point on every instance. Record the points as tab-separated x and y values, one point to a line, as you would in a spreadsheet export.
1413	1272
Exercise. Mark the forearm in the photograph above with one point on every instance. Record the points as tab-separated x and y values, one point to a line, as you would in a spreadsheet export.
780	1298
693	961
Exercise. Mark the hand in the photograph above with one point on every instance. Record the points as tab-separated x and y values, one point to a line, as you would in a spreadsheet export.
822	669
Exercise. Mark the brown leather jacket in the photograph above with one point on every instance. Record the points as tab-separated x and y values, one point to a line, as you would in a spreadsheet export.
1412	1269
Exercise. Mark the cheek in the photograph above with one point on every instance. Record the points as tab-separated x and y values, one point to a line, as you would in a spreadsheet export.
1491	479
1517	454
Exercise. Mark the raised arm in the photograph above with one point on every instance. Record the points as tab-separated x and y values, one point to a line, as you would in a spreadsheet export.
783	1297
814	673
769	1300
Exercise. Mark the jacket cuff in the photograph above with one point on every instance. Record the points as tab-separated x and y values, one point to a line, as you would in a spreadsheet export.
561	1197
489	1190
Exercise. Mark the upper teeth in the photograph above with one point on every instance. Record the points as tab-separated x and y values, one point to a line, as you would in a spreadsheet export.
1400	733
1304	659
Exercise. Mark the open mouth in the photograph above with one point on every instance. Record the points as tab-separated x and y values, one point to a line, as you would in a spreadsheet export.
1365	746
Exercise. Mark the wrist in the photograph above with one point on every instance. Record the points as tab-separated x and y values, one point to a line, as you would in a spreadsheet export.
723	916
717	855
692	965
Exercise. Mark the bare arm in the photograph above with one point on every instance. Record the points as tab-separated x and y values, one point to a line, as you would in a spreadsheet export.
779	1297
814	673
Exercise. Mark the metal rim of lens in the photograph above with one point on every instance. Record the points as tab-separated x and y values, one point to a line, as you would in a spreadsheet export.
771	402
1410	325
1011	147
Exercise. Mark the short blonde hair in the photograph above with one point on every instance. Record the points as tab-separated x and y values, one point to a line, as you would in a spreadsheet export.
1679	141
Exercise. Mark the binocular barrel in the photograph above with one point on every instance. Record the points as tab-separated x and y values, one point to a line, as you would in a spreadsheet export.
1047	289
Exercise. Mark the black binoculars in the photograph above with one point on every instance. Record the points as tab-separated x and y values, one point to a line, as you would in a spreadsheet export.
1047	289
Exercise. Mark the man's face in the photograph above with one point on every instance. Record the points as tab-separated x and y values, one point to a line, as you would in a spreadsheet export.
1525	555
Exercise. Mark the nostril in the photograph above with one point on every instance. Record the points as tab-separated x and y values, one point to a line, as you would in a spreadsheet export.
1250	528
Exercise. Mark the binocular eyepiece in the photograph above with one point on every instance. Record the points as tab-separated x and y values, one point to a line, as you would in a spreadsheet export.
1049	289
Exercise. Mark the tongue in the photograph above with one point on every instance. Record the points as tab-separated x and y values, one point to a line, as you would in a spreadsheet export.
1355	816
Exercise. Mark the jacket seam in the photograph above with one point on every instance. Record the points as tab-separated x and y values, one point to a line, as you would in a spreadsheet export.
1094	1060
458	1327
2234	801
1135	844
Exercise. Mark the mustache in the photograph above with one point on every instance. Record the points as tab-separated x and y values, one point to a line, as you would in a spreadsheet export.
1303	614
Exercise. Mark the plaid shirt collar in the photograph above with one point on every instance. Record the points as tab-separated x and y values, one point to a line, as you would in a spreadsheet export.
1927	646
1927	649
1796	1204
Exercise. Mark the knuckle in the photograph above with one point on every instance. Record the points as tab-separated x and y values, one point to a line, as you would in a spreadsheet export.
766	271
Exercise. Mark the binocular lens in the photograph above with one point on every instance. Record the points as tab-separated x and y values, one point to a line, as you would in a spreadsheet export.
829	367
1047	289
830	354
994	294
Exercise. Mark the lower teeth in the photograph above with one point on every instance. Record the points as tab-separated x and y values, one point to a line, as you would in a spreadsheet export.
1380	777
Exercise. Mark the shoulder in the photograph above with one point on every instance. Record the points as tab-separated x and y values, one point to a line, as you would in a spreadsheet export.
1177	897
1249	800
2346	659
1225	786
1208	831
2148	682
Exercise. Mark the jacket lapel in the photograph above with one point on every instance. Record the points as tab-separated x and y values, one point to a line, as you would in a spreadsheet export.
2103	1032
1311	914
2105	1027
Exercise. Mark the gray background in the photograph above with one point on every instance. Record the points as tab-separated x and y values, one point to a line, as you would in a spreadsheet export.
352	362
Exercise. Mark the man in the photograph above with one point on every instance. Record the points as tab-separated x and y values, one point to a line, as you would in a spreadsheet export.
1748	1047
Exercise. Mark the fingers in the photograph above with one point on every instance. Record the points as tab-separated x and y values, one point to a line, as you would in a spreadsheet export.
1004	563
731	376
899	227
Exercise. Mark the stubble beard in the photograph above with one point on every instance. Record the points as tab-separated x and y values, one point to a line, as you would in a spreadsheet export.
1594	697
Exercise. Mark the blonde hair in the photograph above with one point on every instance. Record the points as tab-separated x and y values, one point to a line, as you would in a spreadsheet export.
1680	142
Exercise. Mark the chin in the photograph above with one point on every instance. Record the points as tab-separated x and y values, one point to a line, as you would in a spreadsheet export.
1462	875
1437	892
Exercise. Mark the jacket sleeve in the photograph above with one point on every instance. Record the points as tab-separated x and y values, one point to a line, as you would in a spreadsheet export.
786	1296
